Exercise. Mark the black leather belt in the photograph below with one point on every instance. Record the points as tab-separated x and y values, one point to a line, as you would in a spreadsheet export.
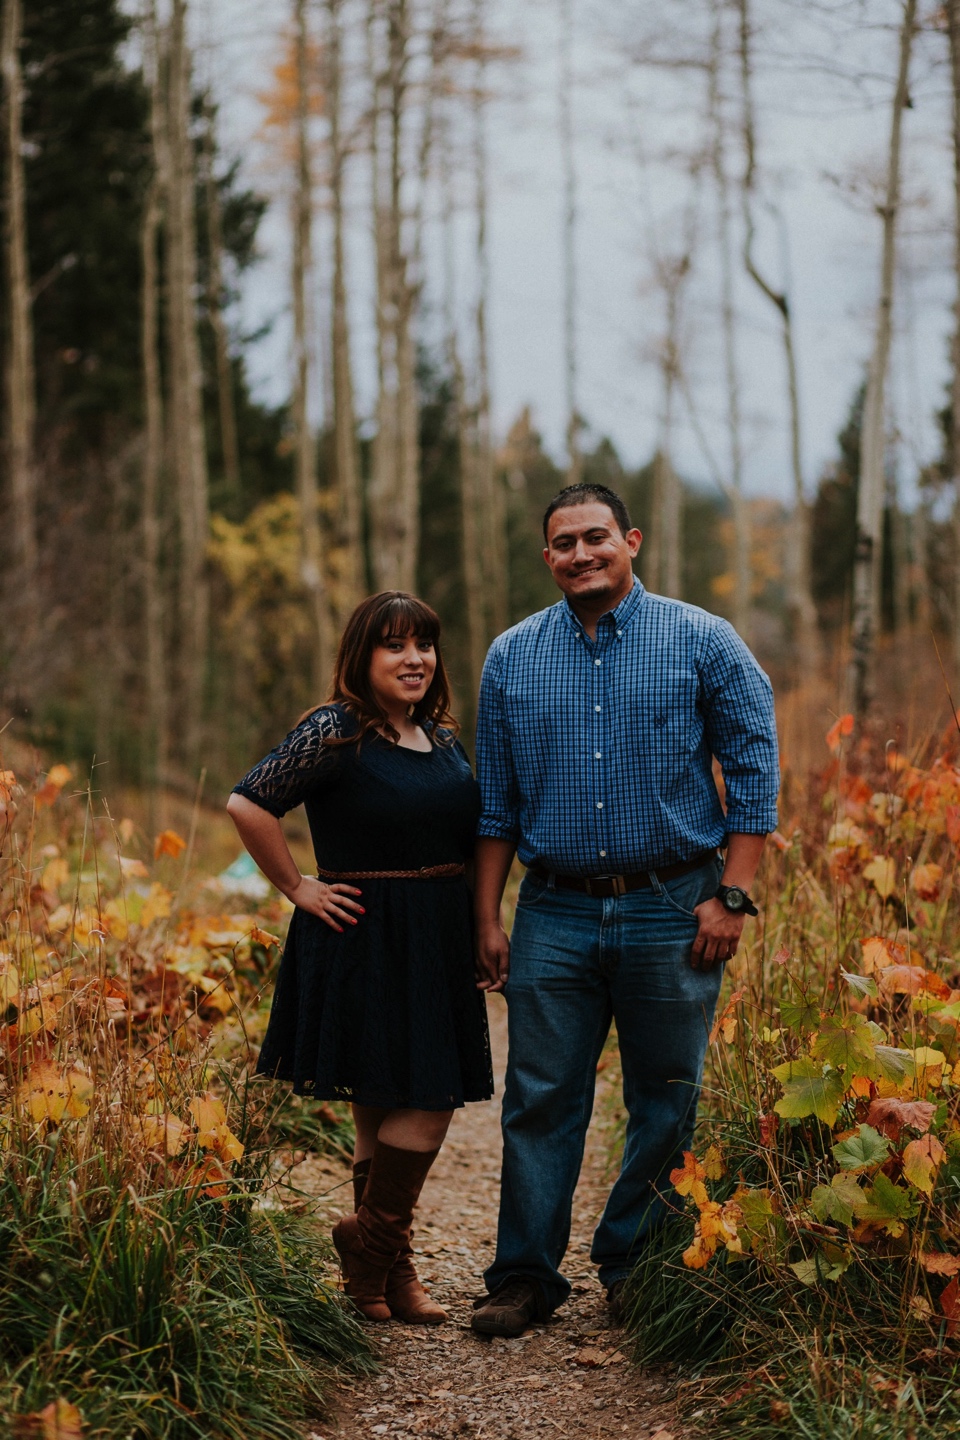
605	886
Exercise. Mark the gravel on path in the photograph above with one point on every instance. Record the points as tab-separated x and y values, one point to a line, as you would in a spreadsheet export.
567	1377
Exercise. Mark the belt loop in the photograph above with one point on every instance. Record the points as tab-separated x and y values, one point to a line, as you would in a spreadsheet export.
619	885
655	885
551	880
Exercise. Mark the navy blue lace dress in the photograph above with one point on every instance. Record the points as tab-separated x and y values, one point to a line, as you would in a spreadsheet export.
387	1013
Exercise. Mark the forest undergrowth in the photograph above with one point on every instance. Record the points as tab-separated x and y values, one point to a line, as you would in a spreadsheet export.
808	1282
158	1277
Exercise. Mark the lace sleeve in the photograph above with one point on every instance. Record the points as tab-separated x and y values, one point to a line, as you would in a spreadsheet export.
300	763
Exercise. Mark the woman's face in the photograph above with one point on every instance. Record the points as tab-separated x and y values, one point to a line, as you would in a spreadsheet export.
401	669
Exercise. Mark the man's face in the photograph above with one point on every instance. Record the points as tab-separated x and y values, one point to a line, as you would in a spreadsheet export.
588	557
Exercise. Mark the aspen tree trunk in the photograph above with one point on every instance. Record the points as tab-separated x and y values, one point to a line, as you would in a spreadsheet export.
953	30
574	457
867	572
353	580
799	595
156	676
20	381
308	492
395	482
738	503
221	342
187	441
491	496
157	692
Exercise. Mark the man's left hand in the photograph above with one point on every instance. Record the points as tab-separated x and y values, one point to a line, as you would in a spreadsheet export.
718	936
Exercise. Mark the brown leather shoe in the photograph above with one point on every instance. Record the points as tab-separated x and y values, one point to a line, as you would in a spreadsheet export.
404	1295
616	1299
509	1310
370	1241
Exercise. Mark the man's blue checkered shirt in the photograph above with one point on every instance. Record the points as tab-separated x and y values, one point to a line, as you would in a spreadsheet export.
596	756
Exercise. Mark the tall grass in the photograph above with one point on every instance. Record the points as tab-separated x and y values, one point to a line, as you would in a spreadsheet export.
807	1282
149	1284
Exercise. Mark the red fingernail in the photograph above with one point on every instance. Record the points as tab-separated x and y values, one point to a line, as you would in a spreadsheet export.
362	911
339	928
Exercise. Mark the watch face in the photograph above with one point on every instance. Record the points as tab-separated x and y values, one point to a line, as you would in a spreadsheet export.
735	898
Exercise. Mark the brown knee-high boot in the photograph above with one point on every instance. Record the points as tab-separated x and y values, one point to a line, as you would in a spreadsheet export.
406	1298
370	1241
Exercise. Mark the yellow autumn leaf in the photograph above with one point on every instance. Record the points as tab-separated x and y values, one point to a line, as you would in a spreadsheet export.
210	1118
61	919
164	1131
9	982
60	1421
713	1164
55	874
263	937
115	919
156	906
921	1160
59	775
51	1093
882	874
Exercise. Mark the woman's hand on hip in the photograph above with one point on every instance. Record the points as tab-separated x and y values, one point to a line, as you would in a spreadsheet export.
332	903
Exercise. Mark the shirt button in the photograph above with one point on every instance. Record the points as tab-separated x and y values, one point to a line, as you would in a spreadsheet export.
598	662
603	854
599	804
596	707
596	755
619	632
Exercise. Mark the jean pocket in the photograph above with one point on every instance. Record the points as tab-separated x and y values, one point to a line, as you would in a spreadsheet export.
686	892
530	894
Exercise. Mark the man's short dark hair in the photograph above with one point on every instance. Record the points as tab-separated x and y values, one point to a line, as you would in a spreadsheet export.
587	494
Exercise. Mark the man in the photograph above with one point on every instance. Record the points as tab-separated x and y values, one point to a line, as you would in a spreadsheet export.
598	722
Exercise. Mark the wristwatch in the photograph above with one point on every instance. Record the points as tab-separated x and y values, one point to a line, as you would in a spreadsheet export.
735	900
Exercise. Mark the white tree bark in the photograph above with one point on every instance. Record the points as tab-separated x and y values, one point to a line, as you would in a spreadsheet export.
395	482
20	380
346	465
186	431
953	30
867	571
568	160
221	340
799	597
305	448
157	686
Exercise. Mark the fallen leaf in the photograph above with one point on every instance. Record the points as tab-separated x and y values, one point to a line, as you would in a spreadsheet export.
949	1304
590	1356
936	1263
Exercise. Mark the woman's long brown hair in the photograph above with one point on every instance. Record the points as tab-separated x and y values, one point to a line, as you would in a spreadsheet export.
393	614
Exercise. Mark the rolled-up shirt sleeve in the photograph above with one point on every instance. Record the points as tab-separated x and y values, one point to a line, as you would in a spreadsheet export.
741	731
500	817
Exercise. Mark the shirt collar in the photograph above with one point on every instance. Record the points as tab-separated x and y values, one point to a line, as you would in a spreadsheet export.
617	619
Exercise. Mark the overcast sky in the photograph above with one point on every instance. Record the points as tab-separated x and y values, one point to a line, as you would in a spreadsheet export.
825	78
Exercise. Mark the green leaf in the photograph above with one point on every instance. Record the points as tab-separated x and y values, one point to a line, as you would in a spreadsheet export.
861	1151
828	1263
889	1205
845	1042
861	984
762	1230
894	1064
808	1089
802	1014
842	1200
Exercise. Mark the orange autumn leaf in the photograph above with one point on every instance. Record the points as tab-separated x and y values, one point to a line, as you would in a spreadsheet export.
925	880
50	790
879	953
936	1263
57	1421
688	1179
838	732
263	937
921	1160
950	1305
726	1022
209	1176
168	842
210	1118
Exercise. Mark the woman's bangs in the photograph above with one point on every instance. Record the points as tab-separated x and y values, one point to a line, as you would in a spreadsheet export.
406	616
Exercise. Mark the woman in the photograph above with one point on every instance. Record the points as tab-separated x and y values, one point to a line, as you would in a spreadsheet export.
376	1000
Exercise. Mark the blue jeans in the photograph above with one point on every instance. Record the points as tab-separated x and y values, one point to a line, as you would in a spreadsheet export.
576	964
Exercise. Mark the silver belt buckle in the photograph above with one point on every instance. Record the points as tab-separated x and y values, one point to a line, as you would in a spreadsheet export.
617	882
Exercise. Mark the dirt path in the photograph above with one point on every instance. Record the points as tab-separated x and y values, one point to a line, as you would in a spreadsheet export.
563	1378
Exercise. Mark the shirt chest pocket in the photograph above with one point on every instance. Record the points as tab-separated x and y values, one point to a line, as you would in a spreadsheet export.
665	720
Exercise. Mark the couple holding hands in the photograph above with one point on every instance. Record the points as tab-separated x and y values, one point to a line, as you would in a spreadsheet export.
598	723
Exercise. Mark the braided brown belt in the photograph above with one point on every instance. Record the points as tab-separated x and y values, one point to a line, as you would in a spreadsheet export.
426	872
